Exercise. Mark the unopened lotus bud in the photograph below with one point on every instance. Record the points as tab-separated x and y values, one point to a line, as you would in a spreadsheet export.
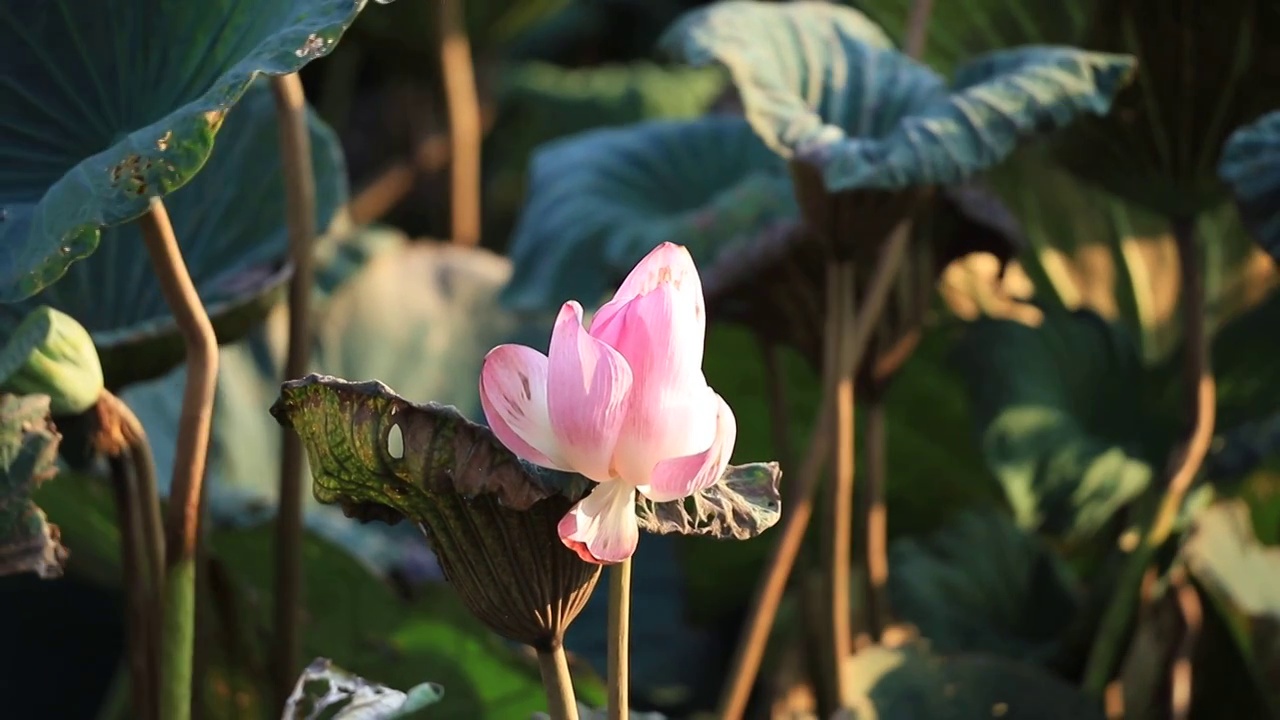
51	354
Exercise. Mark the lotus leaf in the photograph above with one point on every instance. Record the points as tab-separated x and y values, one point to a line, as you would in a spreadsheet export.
109	103
1250	164
230	224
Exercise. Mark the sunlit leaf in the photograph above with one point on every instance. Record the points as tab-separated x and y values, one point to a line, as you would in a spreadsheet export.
980	584
28	457
909	683
603	199
1062	419
230	224
49	353
1242	577
109	103
1250	165
819	83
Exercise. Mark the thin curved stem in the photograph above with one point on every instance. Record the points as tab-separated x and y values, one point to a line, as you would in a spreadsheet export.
189	458
795	521
561	703
300	202
1202	394
618	669
1180	682
464	123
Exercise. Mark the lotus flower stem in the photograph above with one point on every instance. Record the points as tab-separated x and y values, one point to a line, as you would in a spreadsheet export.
1201	393
464	123
300	202
561	703
618	668
917	28
837	537
768	595
178	635
137	589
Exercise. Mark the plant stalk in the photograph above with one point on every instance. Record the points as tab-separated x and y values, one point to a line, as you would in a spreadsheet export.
300	203
875	516
464	123
189	458
768	595
837	538
561	703
1202	396
917	28
137	589
618	670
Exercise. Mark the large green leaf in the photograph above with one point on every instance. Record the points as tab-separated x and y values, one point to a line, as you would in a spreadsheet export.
1242	577
111	102
603	199
230	224
540	102
981	584
1062	419
911	684
28	457
819	83
1250	165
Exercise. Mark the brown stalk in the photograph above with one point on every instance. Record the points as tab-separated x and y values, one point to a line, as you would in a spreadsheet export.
751	646
300	201
464	123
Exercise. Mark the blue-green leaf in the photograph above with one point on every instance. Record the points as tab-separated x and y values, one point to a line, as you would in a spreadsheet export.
601	200
871	117
791	63
981	584
108	103
230	224
1250	164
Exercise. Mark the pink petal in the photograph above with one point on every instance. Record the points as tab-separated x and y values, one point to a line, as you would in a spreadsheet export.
588	386
602	527
672	413
513	394
684	476
666	264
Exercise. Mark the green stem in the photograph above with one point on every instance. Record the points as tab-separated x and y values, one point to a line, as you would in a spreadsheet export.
189	458
300	200
561	703
619	640
776	393
1202	395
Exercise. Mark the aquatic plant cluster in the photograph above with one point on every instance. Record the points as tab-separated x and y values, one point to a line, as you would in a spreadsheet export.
891	361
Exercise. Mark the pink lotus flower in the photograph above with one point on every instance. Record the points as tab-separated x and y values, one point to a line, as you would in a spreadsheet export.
624	404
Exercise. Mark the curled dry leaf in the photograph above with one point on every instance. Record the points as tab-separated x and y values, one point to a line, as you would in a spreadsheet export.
28	457
490	517
743	504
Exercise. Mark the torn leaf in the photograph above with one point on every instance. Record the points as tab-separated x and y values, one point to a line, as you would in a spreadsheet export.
742	505
359	699
28	457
